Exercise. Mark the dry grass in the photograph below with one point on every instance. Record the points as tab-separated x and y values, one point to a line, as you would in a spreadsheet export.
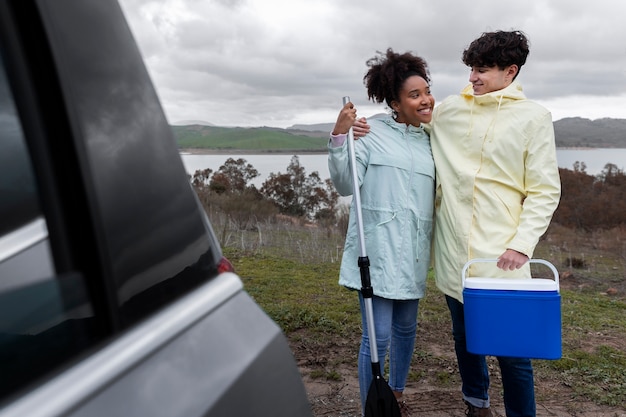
291	269
592	261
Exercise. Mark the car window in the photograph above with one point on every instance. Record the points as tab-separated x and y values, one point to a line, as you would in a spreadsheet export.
46	319
18	204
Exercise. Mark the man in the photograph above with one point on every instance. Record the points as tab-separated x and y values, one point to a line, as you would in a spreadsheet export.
497	188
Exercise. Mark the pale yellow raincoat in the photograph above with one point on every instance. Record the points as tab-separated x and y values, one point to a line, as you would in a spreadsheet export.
497	181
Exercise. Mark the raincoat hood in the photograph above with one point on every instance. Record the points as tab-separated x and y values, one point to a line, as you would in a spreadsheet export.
512	92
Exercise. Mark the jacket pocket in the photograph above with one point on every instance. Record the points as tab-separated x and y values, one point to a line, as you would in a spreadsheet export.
510	205
387	160
381	234
423	240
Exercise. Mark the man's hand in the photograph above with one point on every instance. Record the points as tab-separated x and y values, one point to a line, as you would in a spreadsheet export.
360	128
511	260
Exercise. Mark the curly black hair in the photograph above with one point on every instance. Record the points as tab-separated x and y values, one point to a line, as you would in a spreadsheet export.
499	49
388	72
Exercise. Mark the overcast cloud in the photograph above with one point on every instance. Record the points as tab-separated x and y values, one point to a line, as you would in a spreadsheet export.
283	62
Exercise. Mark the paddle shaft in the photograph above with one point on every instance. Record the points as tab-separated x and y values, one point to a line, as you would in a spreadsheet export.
363	261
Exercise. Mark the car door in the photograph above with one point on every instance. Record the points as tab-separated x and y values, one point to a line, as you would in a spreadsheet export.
112	293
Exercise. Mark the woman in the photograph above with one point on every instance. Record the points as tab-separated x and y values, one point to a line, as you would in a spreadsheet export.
396	177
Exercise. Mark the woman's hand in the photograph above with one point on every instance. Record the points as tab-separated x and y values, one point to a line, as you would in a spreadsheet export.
345	120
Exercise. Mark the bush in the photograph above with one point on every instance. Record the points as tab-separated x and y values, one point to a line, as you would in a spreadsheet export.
592	203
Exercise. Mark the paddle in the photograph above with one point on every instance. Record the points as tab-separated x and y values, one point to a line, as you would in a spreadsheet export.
380	400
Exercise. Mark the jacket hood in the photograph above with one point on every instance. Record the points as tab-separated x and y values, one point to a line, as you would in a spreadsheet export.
512	92
402	127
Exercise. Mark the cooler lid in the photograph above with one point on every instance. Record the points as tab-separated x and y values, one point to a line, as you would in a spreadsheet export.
523	284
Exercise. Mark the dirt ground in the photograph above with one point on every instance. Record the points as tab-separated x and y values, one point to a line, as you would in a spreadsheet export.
433	388
341	398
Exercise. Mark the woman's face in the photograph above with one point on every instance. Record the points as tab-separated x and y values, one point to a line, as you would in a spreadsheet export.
416	102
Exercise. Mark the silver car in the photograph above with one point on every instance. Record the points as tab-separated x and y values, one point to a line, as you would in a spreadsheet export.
115	299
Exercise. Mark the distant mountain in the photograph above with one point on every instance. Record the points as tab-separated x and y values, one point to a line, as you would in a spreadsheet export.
192	122
325	127
569	132
256	139
319	127
599	133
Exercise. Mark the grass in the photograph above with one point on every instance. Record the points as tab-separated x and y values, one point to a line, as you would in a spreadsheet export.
298	289
299	296
597	375
593	363
584	313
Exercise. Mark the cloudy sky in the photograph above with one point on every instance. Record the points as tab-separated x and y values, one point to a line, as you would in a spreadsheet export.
284	62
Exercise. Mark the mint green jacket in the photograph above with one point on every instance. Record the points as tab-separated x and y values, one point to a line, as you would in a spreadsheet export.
498	181
397	178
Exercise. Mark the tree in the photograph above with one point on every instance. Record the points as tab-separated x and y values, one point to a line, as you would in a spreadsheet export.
233	176
580	167
228	191
201	177
612	175
297	194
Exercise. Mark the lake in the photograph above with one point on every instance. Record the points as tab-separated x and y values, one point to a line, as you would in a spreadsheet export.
594	158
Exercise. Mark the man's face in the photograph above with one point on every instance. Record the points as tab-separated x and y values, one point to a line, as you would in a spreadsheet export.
488	79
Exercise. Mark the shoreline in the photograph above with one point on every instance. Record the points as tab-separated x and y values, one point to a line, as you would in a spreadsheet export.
206	151
235	153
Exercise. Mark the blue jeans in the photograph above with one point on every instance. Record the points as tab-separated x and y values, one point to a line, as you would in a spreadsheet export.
395	323
517	373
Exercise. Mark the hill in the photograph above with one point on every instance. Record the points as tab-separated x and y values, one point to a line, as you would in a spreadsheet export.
260	139
192	122
326	127
574	132
599	133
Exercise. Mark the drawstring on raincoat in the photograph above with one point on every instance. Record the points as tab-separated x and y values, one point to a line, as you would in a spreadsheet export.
492	124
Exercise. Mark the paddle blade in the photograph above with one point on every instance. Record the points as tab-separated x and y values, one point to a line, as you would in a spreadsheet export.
380	400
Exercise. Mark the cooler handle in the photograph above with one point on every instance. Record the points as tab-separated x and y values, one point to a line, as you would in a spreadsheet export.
534	261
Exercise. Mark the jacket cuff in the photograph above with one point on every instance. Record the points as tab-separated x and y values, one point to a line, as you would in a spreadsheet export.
336	141
522	247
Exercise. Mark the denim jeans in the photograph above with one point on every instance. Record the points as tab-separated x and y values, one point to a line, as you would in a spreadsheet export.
517	373
395	323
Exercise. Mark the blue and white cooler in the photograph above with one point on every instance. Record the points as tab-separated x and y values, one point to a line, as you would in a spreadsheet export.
516	317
